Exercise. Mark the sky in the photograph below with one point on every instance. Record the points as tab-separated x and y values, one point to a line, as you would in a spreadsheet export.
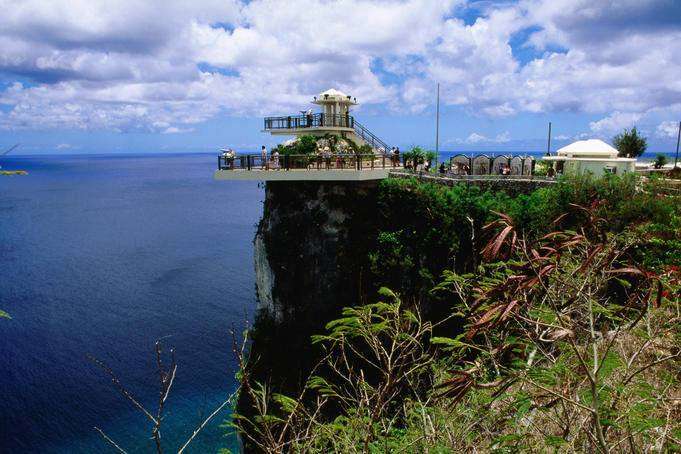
91	76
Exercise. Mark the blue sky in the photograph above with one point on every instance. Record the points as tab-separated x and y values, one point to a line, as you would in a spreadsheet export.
91	76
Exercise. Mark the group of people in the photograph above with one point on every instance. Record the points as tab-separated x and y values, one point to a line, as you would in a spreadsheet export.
394	156
272	162
324	155
228	154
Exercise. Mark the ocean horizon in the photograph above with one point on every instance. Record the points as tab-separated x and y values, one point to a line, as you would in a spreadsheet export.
13	161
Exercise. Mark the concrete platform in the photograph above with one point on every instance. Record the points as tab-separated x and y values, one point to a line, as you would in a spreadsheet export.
303	175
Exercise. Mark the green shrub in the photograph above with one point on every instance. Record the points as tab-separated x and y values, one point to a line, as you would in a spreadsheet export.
630	143
305	145
660	160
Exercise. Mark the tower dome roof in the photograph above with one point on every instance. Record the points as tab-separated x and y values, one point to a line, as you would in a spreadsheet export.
333	95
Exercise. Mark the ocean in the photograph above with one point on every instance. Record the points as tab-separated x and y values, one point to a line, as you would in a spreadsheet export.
104	255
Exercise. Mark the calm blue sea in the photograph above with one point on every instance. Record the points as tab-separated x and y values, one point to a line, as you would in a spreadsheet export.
104	255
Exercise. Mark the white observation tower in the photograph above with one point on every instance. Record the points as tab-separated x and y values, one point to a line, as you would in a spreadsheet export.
335	118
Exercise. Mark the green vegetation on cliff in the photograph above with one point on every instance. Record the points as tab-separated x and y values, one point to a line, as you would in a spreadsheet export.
551	327
424	229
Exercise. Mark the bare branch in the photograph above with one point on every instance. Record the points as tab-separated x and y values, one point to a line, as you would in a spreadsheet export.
110	441
121	388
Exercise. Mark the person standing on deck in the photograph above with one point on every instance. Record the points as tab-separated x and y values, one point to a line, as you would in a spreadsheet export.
275	159
263	157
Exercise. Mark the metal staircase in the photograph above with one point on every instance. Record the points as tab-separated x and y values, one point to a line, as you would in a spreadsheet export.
369	137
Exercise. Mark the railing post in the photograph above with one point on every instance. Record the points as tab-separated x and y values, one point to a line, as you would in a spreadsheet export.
248	162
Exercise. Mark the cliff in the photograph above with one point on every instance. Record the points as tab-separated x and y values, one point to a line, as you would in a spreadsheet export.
323	246
308	246
310	261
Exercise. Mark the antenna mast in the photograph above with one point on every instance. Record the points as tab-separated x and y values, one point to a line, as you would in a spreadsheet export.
678	138
437	125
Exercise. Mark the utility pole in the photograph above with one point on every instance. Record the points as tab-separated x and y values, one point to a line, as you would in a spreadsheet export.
437	126
548	145
678	138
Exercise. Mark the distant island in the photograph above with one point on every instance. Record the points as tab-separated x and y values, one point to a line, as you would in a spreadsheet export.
13	172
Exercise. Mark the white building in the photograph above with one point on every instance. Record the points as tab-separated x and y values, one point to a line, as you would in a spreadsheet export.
593	155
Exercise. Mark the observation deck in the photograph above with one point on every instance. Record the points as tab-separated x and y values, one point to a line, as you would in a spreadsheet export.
341	167
295	123
319	124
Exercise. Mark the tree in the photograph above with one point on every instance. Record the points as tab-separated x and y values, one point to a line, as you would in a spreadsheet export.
630	143
416	155
430	156
660	161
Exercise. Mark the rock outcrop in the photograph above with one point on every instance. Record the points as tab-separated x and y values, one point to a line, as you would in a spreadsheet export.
307	247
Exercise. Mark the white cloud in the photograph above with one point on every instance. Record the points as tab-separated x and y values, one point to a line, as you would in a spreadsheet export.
667	129
615	123
476	138
64	146
175	130
164	66
503	137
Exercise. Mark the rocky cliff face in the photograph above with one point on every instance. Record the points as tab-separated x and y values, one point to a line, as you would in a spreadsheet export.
310	257
306	248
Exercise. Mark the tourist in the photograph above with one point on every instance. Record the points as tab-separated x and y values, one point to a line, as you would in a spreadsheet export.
263	157
229	156
397	156
442	168
275	159
327	157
